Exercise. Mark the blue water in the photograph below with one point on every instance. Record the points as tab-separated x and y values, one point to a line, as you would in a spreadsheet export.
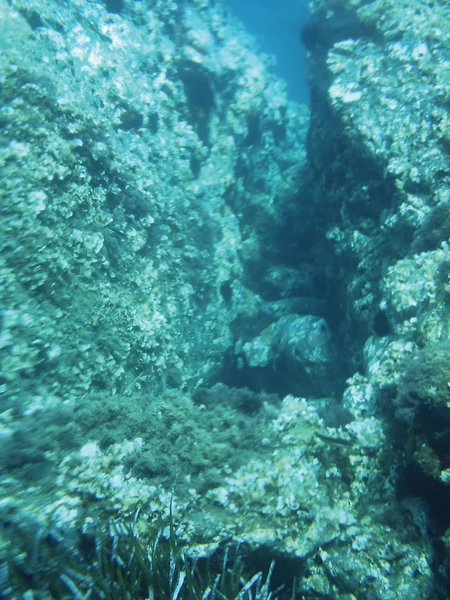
276	25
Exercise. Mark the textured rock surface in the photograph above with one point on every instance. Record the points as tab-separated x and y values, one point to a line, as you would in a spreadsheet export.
159	220
123	139
379	147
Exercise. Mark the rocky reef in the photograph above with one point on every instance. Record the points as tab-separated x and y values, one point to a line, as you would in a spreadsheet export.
222	308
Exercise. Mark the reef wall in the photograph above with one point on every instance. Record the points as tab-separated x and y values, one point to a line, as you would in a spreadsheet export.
169	228
123	138
379	147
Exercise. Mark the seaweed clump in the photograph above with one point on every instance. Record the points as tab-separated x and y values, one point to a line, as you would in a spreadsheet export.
241	399
117	565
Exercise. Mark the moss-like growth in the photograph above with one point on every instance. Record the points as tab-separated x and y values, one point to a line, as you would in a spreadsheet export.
178	437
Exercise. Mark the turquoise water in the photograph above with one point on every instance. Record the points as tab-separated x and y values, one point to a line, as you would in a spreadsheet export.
277	26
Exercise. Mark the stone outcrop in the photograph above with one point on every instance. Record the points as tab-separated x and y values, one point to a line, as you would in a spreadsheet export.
171	232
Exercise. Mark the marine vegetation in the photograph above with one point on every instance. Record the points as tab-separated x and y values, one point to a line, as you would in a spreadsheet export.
118	565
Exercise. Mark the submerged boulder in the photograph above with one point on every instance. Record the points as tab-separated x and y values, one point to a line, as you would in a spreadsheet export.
298	347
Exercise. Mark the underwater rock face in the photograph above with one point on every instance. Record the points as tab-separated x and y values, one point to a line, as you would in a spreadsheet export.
297	348
382	180
303	340
378	146
124	128
149	160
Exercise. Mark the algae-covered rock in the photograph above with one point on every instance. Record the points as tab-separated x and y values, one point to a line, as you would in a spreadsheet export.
171	249
314	496
376	140
298	348
378	148
122	133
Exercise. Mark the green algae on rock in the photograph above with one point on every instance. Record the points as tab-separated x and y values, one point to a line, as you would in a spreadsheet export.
161	213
